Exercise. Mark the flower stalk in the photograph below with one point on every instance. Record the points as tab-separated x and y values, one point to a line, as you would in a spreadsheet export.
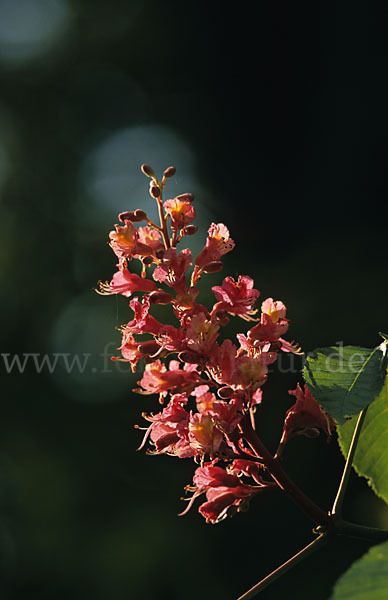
275	469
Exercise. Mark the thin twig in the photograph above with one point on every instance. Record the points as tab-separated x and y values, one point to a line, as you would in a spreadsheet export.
315	545
337	506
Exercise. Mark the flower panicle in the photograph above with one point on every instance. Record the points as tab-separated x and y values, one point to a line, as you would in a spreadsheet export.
206	387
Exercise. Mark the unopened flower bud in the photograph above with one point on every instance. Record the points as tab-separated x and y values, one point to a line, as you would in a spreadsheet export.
133	215
148	360
213	267
189	357
244	506
160	298
222	318
147	260
147	170
190	229
225	392
185	197
154	190
149	347
169	172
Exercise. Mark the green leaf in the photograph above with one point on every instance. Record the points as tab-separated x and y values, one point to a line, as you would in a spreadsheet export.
371	457
367	578
345	379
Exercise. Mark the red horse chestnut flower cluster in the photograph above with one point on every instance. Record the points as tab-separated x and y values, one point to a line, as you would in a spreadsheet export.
209	389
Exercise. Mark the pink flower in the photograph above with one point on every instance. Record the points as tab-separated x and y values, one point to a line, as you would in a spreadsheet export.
204	435
222	362
237	298
171	339
169	428
217	244
124	239
275	309
125	283
181	212
158	380
220	501
305	416
223	491
201	333
129	350
149	236
251	372
172	269
226	415
185	304
273	323
210	476
142	322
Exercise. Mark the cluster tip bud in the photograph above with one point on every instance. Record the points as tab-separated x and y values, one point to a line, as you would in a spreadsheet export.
147	170
133	215
190	229
154	190
189	357
169	172
149	347
147	260
160	297
213	267
225	392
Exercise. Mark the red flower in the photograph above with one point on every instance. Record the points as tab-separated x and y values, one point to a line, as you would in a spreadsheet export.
149	236
125	283
142	322
172	269
251	372
129	350
305	417
273	323
217	244
201	333
158	380
169	428
210	476
204	435
237	298
181	212
222	362
226	415
222	492
123	240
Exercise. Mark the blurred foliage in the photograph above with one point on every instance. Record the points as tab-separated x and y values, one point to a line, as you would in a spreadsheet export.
278	125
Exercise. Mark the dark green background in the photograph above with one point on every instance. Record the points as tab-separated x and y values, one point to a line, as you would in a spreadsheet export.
276	120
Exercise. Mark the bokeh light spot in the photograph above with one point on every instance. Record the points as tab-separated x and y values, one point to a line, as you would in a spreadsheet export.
29	28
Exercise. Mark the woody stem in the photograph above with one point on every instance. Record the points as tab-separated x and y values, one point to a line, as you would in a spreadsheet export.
319	516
